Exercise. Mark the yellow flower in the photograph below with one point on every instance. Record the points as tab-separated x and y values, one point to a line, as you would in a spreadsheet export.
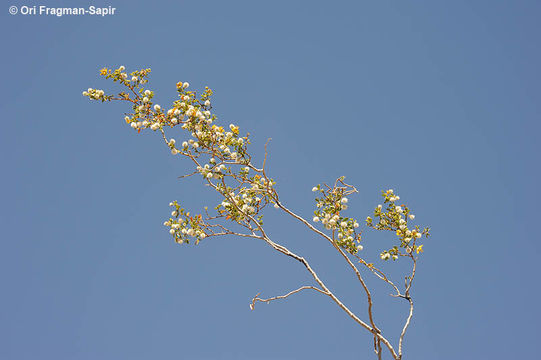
419	249
398	232
103	71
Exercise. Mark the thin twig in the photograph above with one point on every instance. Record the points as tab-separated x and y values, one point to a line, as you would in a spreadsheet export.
257	298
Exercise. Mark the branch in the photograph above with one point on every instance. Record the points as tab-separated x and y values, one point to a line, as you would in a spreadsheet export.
209	138
373	329
379	274
353	267
367	291
405	328
256	298
285	251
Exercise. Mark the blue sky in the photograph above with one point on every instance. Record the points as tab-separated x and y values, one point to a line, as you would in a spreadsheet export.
439	100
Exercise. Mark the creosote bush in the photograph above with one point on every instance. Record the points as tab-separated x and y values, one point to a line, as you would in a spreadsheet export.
221	158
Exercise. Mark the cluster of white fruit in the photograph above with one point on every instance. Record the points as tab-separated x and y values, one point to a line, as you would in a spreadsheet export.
328	212
94	94
396	218
182	226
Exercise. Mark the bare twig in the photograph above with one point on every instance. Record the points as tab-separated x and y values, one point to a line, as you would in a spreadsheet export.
257	298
